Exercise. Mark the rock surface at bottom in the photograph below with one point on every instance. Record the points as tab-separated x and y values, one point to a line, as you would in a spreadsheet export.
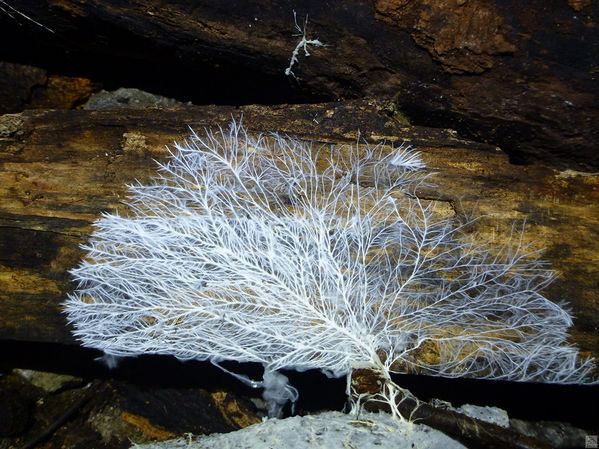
328	429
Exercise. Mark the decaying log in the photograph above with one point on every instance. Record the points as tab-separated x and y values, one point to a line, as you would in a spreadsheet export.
60	169
521	75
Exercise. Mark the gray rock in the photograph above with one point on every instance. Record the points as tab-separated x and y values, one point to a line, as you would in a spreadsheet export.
328	429
124	98
493	415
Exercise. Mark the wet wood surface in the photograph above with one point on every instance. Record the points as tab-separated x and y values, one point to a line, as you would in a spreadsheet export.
59	170
522	75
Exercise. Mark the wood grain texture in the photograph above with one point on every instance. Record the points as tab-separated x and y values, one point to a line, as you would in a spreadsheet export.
59	170
522	75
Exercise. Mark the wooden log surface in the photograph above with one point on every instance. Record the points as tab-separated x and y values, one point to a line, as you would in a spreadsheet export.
522	75
59	170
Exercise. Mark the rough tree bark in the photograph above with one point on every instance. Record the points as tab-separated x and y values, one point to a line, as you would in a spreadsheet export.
60	169
519	75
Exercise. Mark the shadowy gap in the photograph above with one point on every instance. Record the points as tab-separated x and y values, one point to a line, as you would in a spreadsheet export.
210	78
529	401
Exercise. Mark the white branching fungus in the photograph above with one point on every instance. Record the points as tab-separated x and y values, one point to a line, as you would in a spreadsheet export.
405	158
271	250
303	43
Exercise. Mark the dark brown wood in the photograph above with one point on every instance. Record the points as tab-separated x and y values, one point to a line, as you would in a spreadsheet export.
59	170
520	75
